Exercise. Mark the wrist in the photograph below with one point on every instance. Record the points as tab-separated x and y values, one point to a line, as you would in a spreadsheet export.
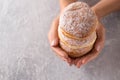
64	3
103	7
97	12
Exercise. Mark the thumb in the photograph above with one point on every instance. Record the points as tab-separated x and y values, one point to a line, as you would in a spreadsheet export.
53	33
54	42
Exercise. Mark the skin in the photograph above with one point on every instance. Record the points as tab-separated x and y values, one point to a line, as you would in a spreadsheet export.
102	8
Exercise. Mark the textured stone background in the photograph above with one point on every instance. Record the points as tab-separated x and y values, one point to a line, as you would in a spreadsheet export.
24	49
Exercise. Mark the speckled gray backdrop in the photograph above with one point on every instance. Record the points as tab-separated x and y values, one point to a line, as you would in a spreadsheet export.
24	49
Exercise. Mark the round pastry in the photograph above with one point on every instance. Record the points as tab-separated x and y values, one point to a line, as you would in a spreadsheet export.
77	29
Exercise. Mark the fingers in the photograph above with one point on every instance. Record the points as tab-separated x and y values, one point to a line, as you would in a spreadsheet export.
72	62
78	62
54	41
59	52
96	48
85	59
90	56
53	33
100	37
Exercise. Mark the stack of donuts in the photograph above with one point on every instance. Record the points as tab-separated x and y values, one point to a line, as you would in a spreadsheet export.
77	29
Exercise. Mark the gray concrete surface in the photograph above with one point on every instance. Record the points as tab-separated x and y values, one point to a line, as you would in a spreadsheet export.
24	49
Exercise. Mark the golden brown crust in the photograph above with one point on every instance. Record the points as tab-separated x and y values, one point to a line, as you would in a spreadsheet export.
76	44
77	29
75	52
77	47
78	20
77	38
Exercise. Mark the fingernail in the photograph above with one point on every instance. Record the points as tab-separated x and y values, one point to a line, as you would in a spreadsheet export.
65	59
83	61
98	48
80	64
53	43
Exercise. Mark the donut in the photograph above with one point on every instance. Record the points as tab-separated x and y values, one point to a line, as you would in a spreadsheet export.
77	29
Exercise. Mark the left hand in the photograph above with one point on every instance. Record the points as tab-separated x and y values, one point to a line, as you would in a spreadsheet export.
100	31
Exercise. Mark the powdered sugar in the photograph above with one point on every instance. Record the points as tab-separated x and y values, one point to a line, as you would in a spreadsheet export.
83	42
75	52
76	29
77	19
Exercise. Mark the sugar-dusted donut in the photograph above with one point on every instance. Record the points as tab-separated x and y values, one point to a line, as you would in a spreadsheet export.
77	29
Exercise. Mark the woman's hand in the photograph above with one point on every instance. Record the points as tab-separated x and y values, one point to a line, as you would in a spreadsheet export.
102	9
53	34
96	48
54	41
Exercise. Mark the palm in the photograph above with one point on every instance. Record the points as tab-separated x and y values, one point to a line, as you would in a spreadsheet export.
53	37
96	48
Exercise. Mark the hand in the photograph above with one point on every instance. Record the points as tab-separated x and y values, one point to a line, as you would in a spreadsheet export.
54	41
96	48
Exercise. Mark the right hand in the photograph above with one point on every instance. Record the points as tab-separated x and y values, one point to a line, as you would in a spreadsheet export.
98	46
54	41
